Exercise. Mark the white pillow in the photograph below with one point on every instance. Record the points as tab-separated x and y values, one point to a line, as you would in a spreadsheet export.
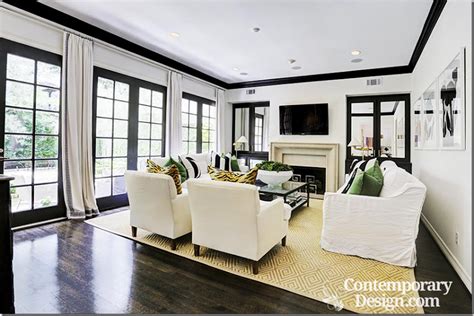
202	160
193	167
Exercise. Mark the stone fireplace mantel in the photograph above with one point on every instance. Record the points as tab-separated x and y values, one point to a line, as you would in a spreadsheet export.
319	155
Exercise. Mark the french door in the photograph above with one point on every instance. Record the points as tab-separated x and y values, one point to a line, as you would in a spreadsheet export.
128	128
30	112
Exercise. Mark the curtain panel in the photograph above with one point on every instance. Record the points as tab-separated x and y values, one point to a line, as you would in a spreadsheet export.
221	121
77	157
174	136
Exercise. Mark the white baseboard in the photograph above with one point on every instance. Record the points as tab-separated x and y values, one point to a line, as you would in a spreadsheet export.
466	279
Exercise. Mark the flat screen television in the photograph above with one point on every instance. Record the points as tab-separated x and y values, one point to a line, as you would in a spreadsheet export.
304	119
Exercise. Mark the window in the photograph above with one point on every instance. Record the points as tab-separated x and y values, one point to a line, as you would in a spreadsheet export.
198	120
129	129
31	110
258	141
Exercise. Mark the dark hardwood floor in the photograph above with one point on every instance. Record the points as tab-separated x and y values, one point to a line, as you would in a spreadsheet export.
72	267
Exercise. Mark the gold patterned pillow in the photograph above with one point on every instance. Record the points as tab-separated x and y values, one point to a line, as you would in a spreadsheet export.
171	171
223	175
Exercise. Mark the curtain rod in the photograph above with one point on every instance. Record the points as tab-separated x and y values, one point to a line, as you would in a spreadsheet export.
56	26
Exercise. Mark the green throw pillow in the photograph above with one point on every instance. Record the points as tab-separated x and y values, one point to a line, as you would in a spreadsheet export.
182	170
375	171
356	186
234	164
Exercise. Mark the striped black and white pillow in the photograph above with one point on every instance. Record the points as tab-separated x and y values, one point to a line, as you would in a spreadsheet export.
192	167
221	162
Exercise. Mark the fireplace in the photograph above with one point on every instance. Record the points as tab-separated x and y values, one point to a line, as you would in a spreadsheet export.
316	177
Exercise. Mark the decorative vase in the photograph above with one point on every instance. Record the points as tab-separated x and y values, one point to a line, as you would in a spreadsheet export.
274	178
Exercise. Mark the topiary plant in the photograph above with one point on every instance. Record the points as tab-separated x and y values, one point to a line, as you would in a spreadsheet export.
273	166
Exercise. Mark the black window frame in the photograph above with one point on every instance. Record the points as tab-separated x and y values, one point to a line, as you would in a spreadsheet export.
33	215
114	201
404	162
200	101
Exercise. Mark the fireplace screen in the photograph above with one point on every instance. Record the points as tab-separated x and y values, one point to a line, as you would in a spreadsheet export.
316	177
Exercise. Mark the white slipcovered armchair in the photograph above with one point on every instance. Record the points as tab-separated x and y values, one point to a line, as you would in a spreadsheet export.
229	217
156	207
383	228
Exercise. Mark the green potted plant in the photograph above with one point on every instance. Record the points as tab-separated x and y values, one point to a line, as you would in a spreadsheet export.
274	173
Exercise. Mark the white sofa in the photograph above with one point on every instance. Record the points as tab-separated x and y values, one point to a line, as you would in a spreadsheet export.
383	228
156	207
229	217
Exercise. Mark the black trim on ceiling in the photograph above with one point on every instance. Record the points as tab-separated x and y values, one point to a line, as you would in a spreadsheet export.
49	13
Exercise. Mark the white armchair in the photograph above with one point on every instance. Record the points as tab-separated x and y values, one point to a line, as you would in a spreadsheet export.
383	228
156	207
229	217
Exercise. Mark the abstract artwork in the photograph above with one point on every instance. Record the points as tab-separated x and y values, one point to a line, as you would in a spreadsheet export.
417	144
429	132
451	105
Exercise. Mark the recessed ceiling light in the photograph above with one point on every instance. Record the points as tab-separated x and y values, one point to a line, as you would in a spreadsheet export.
243	73
256	29
291	61
356	60
296	67
174	34
356	52
235	69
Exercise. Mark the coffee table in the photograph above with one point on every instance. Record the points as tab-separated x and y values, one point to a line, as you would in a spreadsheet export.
289	191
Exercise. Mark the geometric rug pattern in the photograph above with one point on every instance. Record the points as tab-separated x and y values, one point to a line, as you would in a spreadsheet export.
302	267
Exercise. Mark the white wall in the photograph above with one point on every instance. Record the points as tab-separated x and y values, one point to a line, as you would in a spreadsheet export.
333	92
448	174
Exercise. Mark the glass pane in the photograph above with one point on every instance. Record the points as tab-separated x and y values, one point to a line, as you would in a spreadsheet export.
155	147
103	187
103	147
21	199
141	163
46	146
119	185
193	107
205	147
20	68
392	129
193	120
103	167
104	127
120	128
21	170
121	110
144	113
47	123
213	111
143	148
120	147
105	88
205	135
212	136
19	94
145	96
121	91
184	119
119	166
212	124
156	131
104	107
205	109
212	147
18	146
157	115
193	134
47	98
144	130
157	99
192	148
184	105
18	121
185	132
362	108
46	195
48	75
362	134
46	171
205	122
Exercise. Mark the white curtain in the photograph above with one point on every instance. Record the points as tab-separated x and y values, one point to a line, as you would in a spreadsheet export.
221	104
174	136
78	182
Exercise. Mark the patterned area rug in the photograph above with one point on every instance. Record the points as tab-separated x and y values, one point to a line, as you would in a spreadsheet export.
301	267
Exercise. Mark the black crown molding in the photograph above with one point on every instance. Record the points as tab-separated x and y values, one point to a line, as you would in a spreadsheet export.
49	13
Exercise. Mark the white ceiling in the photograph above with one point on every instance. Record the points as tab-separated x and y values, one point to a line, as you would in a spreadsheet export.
216	35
